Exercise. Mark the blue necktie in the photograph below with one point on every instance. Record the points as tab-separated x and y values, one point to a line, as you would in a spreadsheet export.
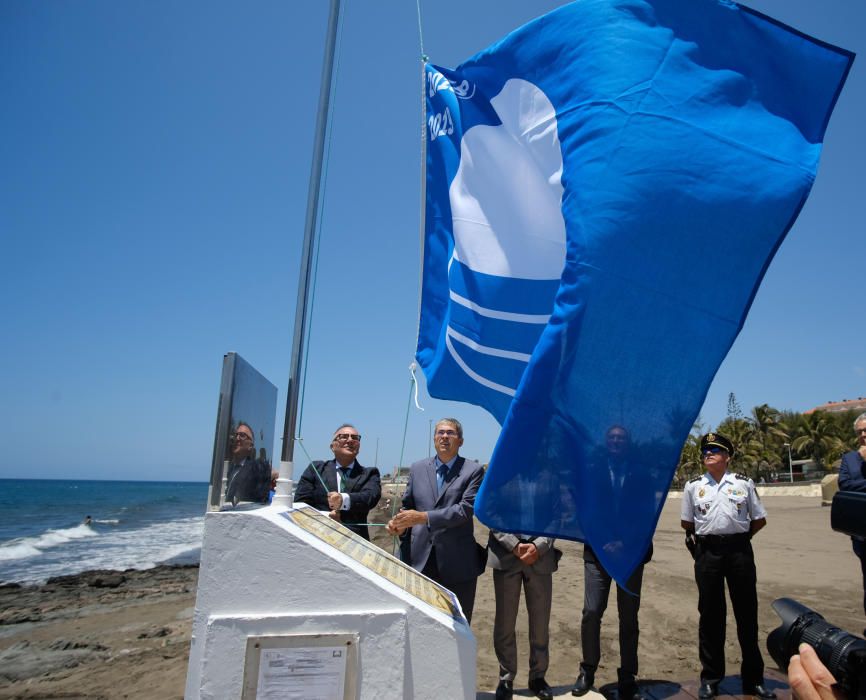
441	471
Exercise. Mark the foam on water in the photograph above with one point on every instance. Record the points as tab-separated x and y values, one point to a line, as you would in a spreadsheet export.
34	546
134	524
142	549
126	549
18	551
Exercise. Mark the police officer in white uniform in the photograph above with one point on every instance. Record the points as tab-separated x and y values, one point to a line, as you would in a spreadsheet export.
721	512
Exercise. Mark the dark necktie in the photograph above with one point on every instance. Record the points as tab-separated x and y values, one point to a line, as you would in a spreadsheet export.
441	471
344	477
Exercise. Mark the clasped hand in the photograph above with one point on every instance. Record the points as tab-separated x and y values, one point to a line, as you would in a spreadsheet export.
406	519
527	552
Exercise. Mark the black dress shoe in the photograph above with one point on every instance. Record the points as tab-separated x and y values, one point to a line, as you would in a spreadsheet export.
759	691
708	690
629	691
504	690
541	689
583	684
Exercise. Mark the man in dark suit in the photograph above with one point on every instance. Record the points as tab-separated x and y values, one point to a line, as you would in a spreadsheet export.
341	485
436	520
248	478
606	479
522	561
852	477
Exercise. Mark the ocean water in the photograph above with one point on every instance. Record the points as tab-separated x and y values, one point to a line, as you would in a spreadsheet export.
134	524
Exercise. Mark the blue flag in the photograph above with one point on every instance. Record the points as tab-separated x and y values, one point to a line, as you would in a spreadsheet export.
605	189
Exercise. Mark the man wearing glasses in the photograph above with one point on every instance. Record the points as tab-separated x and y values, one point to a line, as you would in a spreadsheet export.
248	478
437	517
852	477
341	485
721	512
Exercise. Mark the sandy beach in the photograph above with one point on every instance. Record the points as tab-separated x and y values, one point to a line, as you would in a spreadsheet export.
126	635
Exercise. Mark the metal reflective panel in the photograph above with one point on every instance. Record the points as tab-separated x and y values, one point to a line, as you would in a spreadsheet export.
242	468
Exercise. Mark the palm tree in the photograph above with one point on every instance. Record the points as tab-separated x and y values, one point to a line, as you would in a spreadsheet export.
690	464
770	434
843	421
819	440
768	421
747	447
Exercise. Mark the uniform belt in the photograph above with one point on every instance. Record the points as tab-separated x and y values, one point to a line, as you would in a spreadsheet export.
724	539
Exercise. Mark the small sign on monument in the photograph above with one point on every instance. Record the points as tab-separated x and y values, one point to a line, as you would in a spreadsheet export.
309	666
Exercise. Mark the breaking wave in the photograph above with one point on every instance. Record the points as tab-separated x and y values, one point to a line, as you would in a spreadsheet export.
25	547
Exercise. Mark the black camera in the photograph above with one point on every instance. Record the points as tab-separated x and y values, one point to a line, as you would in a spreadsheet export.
843	654
848	513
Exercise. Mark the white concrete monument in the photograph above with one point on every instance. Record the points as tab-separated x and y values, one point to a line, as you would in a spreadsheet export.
291	604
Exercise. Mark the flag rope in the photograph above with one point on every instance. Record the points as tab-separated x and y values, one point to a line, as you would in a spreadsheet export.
413	388
413	392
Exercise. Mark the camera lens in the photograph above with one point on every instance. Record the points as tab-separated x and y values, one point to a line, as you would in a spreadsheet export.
842	653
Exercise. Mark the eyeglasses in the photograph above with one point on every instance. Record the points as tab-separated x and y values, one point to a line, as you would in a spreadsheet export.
242	436
346	437
860	431
712	451
446	433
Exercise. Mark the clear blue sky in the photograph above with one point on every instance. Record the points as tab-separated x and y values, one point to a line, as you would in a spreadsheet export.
154	161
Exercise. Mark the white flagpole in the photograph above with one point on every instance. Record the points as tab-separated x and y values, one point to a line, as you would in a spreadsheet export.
284	483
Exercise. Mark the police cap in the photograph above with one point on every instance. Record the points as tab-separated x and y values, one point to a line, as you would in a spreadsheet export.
717	440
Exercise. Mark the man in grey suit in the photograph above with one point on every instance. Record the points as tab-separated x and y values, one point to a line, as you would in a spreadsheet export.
529	562
436	520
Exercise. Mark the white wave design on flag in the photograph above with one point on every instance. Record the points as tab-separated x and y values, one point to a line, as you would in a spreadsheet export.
541	319
506	205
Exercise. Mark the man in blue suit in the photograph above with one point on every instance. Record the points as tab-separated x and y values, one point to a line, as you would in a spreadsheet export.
852	477
436	520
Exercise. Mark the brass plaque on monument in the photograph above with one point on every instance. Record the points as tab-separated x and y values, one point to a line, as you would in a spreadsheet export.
375	559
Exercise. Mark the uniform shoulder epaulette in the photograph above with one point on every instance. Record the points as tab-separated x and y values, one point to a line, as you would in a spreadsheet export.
742	477
697	478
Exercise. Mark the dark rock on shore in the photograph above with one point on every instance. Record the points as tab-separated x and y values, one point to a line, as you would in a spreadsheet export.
61	595
98	634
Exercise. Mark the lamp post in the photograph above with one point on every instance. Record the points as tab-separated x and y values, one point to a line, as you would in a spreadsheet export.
790	463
